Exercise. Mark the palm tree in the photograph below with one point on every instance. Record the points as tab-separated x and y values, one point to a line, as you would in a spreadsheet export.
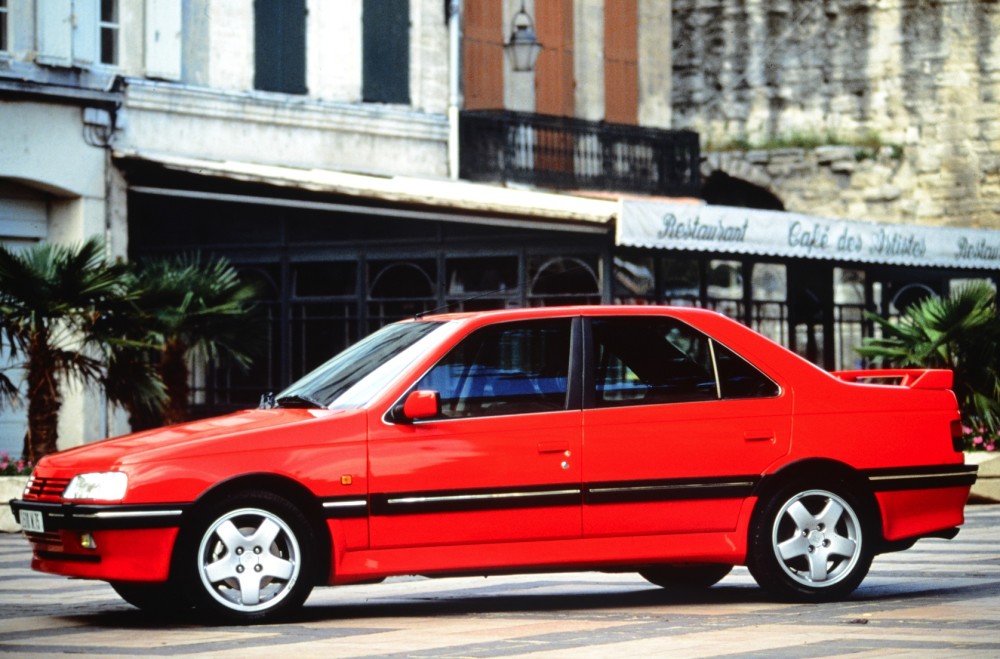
50	297
960	332
193	310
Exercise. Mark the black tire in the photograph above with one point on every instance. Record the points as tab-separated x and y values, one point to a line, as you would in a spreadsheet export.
690	576
157	598
811	543
248	558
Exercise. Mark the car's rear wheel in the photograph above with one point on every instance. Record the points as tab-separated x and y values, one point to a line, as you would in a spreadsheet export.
249	558
691	576
811	543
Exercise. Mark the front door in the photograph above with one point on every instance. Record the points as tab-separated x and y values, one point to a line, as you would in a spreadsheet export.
501	462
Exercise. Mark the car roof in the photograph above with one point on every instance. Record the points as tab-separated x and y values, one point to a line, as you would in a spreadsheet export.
529	313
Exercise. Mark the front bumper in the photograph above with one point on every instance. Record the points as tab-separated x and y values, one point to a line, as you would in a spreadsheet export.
113	542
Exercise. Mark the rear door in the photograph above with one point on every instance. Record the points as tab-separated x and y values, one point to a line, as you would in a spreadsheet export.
677	428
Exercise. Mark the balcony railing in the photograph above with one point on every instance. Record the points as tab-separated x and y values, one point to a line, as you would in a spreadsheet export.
573	154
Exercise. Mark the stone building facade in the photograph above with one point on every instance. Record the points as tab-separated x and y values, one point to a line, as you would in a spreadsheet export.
913	87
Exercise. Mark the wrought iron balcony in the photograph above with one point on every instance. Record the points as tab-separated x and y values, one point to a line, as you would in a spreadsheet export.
574	154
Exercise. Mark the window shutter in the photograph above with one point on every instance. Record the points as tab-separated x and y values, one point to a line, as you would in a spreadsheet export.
163	39
386	51
86	32
280	46
482	67
54	32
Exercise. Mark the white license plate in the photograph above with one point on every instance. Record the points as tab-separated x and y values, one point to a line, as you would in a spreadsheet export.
31	520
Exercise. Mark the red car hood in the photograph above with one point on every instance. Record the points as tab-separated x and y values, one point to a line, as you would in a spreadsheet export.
261	428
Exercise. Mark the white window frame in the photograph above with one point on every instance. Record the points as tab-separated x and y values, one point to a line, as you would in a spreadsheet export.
4	26
115	27
68	32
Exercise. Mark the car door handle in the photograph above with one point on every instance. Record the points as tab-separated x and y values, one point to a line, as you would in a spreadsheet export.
759	435
553	447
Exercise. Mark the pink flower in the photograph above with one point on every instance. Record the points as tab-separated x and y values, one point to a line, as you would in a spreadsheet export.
991	446
977	441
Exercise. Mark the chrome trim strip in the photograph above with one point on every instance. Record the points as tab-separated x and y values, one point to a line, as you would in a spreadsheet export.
481	497
111	514
892	477
655	488
345	504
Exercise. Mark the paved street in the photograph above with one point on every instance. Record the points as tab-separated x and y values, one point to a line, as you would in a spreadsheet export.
939	598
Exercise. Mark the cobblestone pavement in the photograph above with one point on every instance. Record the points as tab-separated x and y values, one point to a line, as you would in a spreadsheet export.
939	598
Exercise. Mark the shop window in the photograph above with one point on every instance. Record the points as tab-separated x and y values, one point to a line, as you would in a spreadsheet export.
635	280
725	287
562	280
769	291
78	32
398	289
681	282
848	286
325	279
386	51
472	276
477	284
319	330
280	46
848	316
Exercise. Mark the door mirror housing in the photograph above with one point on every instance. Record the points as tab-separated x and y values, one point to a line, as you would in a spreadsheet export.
419	405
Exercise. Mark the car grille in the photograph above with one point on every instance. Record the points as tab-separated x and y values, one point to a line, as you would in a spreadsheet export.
50	538
45	489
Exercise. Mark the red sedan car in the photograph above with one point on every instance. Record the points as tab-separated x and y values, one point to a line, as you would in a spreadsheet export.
673	442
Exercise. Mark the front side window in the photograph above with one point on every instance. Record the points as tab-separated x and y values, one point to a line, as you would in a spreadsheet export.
657	360
511	368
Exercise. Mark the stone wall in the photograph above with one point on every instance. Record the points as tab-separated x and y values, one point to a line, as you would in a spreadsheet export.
919	78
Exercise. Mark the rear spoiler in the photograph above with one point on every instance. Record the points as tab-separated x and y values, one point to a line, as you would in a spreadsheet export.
914	378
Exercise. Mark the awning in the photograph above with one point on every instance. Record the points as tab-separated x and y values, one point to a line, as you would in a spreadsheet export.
439	199
701	227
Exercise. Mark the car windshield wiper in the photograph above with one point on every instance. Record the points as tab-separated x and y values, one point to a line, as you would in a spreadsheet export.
299	400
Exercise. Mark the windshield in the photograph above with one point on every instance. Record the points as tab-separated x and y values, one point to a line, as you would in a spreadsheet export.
352	377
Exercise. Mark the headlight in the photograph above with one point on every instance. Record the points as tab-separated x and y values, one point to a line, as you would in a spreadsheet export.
104	486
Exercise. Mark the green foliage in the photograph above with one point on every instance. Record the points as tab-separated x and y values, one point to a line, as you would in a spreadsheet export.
960	332
867	144
68	314
50	298
187	309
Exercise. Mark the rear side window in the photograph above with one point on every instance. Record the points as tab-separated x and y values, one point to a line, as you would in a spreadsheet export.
511	368
657	360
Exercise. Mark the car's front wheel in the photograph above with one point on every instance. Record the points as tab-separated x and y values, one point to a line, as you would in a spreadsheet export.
811	544
249	558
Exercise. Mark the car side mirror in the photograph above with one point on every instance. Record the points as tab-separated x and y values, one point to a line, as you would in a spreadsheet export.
420	404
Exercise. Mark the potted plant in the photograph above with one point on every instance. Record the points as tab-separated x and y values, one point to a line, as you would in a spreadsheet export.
13	477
